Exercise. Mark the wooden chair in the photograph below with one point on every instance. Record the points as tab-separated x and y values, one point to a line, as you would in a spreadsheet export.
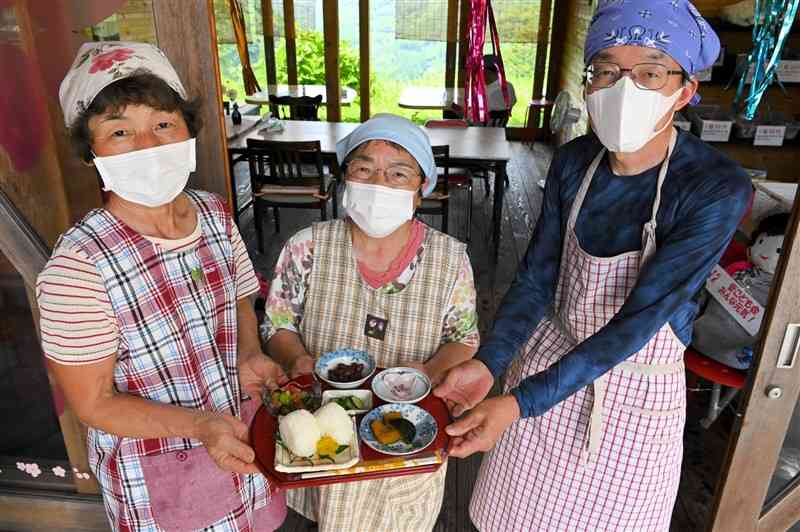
498	118
300	107
281	177
236	156
438	202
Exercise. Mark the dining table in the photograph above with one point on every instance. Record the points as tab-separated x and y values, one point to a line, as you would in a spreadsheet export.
262	97
431	98
483	147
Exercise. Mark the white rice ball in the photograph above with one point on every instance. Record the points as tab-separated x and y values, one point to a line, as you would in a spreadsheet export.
334	421
300	432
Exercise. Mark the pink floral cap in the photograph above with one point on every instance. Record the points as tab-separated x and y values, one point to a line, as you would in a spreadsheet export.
99	64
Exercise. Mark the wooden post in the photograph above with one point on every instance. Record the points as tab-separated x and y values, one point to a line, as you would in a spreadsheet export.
186	33
540	62
462	43
363	57
291	41
330	22
557	47
269	41
452	44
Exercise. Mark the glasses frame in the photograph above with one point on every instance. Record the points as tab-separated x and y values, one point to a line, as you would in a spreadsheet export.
587	72
348	170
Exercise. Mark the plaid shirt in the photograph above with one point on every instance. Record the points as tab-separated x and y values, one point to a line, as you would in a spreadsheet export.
177	318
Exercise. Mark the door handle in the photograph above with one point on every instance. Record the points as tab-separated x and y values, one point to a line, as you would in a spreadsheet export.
789	347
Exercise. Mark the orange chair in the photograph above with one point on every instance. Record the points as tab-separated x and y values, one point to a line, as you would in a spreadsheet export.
720	376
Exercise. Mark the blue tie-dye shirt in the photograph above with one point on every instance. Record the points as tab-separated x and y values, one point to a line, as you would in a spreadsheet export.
704	196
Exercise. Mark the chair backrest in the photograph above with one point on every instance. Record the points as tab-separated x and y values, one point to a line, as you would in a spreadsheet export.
300	107
289	163
448	122
498	118
441	154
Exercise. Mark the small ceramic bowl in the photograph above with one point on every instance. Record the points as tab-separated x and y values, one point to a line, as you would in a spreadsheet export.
328	361
423	421
401	385
365	396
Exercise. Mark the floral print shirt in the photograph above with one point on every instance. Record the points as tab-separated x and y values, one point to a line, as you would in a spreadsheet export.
287	293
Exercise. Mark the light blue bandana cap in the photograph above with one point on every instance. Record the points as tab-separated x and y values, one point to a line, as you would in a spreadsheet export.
395	129
674	27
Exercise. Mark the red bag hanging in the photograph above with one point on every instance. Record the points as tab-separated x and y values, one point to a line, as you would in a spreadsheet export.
475	101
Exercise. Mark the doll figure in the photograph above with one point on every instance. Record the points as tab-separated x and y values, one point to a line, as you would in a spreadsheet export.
716	333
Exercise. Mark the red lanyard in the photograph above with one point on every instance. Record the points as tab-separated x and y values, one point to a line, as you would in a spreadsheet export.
475	101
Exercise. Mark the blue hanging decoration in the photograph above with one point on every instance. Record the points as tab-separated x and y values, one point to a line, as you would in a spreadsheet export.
773	21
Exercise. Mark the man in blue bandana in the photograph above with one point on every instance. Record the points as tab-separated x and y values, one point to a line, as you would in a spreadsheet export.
587	434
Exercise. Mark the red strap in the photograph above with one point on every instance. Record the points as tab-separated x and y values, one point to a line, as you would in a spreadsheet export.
475	101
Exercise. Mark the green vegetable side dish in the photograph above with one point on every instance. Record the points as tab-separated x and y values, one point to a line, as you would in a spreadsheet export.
350	402
290	398
406	429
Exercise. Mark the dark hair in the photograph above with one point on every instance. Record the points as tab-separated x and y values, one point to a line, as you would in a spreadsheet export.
138	89
772	225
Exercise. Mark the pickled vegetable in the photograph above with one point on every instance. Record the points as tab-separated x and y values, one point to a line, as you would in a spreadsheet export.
406	428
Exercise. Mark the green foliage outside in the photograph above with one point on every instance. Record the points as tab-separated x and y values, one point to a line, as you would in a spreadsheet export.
427	60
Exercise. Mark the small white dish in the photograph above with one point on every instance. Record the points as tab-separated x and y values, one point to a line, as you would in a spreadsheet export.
401	385
328	361
365	396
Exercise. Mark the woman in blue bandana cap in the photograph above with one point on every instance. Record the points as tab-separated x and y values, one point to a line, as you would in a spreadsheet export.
382	282
587	434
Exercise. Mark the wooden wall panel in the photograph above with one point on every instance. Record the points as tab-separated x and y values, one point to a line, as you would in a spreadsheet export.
186	33
570	23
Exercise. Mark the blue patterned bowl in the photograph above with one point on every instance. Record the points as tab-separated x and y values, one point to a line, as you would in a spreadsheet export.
423	421
328	361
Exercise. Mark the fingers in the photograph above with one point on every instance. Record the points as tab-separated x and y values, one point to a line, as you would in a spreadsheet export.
464	425
463	447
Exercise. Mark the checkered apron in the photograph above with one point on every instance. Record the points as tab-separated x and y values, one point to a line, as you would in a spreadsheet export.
334	317
176	313
609	456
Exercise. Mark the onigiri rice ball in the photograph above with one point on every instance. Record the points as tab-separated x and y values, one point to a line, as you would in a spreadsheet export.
334	421
300	432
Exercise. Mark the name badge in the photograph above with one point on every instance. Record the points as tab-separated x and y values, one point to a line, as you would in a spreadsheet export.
375	327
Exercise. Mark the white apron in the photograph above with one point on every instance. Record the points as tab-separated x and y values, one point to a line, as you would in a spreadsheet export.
609	456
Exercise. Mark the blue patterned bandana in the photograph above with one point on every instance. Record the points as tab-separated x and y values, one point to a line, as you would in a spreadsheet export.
674	27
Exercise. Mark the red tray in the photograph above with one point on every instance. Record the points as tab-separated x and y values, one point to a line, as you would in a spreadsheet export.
262	438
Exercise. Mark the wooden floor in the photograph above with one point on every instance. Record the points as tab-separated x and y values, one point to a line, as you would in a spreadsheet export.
704	450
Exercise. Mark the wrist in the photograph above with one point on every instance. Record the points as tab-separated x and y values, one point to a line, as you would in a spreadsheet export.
510	402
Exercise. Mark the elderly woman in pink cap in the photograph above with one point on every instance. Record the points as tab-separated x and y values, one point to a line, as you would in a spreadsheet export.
146	314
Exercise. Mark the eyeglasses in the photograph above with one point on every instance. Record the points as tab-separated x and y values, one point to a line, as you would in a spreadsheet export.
647	76
397	176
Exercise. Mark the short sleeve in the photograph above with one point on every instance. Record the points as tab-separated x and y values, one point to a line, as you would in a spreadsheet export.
246	280
287	291
77	322
460	324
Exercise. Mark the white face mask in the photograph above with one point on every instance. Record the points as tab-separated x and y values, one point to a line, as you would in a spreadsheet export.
151	177
624	117
377	210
